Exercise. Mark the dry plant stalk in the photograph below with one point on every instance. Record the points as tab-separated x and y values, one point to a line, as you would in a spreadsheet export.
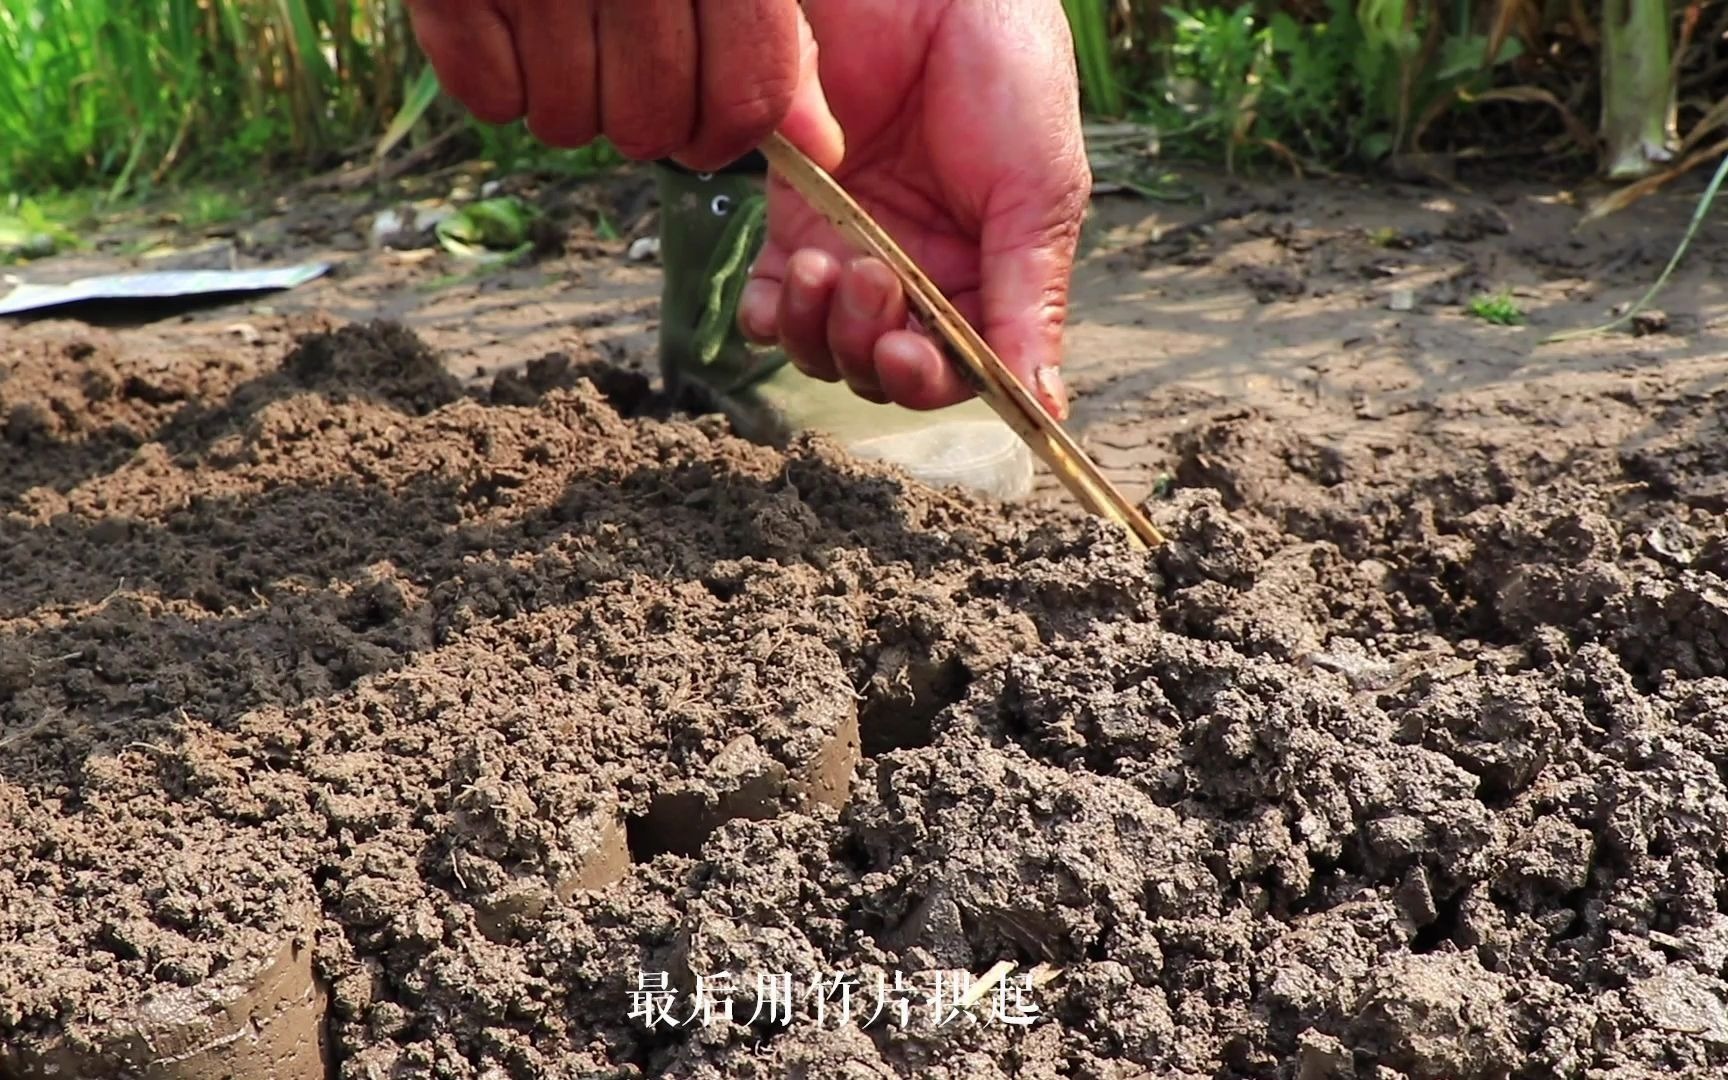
988	375
1040	977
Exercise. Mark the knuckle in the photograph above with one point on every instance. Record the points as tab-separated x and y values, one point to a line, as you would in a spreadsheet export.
489	106
640	149
650	134
711	155
1067	207
561	129
748	114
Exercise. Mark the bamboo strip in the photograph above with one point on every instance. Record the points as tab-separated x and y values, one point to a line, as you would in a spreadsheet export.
992	379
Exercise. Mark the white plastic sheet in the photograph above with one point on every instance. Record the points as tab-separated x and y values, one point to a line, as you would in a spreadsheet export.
157	285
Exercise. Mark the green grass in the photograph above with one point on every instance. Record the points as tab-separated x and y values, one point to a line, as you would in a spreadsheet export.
1352	83
27	233
201	207
1497	308
128	94
1099	81
189	102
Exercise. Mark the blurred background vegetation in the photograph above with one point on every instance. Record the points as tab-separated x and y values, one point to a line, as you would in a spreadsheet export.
1628	89
129	96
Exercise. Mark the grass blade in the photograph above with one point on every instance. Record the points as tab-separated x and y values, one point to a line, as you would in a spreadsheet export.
420	98
1698	216
1098	81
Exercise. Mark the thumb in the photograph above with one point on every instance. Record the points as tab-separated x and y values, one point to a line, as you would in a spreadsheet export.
810	125
1027	251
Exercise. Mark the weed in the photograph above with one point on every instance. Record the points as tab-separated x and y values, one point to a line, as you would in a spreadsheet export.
1234	80
35	229
510	147
1213	69
1699	213
490	229
1497	308
201	207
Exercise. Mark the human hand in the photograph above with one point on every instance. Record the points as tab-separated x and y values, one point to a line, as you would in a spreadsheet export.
963	140
701	83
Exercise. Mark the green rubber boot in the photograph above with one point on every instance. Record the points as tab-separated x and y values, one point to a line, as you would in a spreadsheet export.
711	227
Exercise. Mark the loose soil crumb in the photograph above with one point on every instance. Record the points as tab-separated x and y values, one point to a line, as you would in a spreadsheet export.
495	701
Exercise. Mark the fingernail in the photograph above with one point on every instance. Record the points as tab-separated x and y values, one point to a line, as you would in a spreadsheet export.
1055	391
811	272
867	296
756	311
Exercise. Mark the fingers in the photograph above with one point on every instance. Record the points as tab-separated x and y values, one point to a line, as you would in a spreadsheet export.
471	47
648	89
851	322
801	312
757	62
811	124
868	305
828	317
556	45
1027	175
1026	267
1027	261
700	81
914	373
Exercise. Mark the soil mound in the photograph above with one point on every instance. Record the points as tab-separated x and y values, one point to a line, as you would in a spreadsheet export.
353	721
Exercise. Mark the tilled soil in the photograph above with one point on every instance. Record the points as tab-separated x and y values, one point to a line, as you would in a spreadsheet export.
354	720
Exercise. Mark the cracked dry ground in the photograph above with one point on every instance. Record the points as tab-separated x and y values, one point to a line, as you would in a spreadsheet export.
352	720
